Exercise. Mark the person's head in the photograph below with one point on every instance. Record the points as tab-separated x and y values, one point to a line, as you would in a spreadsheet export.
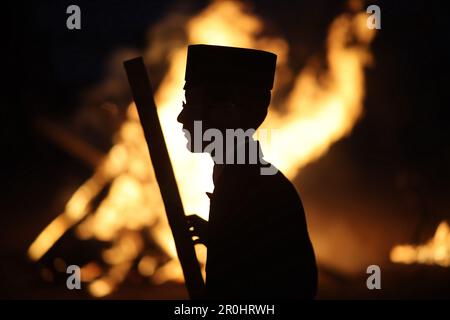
226	88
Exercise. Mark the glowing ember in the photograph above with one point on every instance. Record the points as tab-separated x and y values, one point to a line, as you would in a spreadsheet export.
435	251
315	115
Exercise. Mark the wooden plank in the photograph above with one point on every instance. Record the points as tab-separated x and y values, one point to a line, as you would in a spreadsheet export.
143	97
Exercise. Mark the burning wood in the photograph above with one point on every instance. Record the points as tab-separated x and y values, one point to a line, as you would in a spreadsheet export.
69	142
435	251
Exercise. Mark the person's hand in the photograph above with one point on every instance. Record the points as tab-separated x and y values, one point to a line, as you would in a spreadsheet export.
197	228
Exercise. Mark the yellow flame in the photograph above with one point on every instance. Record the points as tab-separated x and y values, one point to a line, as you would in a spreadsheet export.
100	288
48	237
435	251
322	108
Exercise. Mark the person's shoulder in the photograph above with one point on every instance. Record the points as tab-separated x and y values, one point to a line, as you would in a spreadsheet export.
261	181
276	193
277	183
270	174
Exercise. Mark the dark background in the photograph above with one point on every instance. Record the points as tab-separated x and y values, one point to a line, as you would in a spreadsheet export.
398	153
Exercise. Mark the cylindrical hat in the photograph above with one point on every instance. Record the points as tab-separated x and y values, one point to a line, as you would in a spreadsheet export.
229	66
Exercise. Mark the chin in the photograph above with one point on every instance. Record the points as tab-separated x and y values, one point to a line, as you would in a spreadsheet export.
189	145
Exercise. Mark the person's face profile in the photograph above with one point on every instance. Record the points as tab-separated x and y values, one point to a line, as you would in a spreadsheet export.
192	113
212	115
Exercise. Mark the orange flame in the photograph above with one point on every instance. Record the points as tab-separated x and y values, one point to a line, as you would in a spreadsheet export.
318	113
435	251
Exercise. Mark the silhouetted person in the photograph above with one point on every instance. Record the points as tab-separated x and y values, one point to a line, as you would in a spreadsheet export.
257	237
